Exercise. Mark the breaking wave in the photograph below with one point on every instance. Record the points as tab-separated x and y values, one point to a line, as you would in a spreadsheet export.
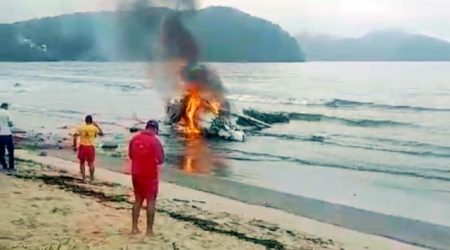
416	173
334	103
338	103
347	121
259	99
424	150
284	117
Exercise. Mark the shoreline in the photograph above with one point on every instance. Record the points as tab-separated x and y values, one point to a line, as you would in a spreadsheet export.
409	231
350	239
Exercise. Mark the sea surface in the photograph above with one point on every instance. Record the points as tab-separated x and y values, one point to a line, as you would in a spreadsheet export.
374	136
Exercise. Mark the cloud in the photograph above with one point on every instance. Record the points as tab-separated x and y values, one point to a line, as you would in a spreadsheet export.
17	10
350	17
342	17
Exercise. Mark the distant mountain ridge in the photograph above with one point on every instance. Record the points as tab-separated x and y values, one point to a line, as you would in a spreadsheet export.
386	45
223	34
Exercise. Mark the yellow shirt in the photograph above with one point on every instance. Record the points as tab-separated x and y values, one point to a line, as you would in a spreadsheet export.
87	134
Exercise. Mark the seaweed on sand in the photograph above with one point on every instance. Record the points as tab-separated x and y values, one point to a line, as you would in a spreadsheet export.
71	184
212	226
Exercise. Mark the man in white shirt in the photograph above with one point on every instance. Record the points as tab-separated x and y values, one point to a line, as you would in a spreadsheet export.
6	138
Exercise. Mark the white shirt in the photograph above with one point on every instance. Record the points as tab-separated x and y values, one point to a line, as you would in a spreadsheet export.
5	122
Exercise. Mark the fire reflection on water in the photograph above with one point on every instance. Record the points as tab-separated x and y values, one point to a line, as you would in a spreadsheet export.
197	157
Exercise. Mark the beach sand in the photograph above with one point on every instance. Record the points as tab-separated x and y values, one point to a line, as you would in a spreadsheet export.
48	207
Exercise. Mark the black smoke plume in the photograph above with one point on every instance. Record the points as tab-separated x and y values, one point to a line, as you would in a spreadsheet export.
178	42
180	45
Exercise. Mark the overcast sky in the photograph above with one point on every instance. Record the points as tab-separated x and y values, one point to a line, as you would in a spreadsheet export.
338	17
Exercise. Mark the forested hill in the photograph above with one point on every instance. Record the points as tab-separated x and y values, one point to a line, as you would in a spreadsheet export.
223	34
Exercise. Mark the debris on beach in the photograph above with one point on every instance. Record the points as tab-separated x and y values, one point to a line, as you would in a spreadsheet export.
268	118
250	123
133	129
109	145
41	140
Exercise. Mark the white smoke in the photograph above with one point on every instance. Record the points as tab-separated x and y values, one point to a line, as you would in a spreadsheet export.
31	44
173	4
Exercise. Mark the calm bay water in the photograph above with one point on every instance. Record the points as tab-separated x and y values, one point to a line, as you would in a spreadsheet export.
368	135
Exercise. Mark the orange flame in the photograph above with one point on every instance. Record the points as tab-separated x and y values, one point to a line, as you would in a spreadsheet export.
192	109
195	106
214	107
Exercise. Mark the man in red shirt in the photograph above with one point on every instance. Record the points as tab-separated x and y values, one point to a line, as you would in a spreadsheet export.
146	154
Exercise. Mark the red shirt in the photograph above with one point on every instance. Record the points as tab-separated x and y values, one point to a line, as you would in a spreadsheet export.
146	153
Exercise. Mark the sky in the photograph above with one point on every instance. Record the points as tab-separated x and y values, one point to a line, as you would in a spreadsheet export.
336	17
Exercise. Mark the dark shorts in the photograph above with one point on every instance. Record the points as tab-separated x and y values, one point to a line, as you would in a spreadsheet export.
145	187
86	154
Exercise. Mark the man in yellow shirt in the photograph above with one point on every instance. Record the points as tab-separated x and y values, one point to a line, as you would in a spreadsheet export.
87	135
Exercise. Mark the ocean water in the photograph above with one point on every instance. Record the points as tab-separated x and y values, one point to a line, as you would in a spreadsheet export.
374	136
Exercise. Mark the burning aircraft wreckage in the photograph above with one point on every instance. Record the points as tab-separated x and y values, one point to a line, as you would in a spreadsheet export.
202	108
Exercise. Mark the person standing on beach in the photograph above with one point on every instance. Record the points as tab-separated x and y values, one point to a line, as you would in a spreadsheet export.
146	154
87	134
6	138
